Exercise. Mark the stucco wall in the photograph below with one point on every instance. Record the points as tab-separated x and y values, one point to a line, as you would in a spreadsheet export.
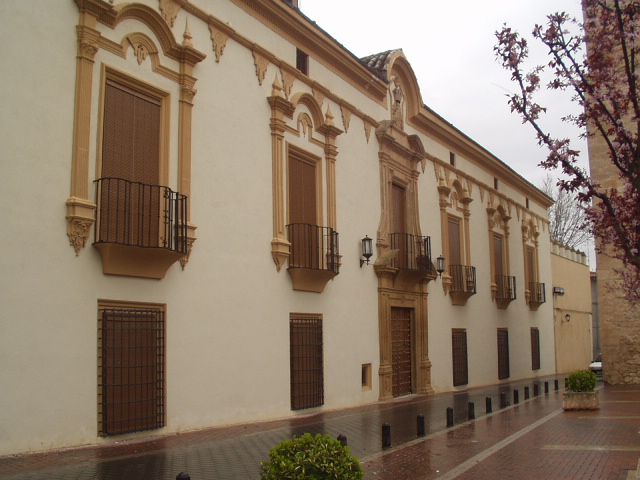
227	327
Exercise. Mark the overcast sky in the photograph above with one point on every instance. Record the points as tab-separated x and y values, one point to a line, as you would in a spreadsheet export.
450	47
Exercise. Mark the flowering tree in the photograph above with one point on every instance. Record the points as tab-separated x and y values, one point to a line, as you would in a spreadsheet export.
597	61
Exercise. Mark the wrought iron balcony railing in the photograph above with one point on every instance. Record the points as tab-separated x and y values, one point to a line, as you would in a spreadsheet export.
140	215
506	287
313	247
537	293
463	279
414	252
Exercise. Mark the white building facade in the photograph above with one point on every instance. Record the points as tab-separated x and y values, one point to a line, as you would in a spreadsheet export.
186	186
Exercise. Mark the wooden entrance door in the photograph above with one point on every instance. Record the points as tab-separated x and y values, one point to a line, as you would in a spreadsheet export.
402	351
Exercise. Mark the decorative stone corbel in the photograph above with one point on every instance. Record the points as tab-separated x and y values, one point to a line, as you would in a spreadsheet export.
80	218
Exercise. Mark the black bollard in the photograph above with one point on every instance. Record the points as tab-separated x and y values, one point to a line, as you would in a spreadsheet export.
386	436
556	384
546	388
487	402
421	431
450	417
472	411
535	390
516	397
342	439
183	476
526	393
503	400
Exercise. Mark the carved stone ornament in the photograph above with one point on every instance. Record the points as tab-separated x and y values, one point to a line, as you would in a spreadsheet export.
78	233
169	9
187	37
397	99
219	40
261	66
319	96
287	83
346	117
367	130
184	260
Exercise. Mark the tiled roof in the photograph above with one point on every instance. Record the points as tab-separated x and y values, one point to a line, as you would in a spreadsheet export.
378	63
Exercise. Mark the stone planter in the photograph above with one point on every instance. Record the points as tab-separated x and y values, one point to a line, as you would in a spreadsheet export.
581	400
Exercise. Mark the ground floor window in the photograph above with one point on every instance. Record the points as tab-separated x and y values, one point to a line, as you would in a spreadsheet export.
306	360
535	349
503	353
460	363
131	368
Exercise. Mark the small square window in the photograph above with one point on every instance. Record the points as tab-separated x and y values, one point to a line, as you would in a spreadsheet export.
495	183
302	61
527	203
452	158
366	376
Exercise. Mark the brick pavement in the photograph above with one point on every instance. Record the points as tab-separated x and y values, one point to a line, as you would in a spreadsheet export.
534	439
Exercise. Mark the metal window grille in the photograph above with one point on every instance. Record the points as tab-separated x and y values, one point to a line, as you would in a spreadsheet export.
535	349
131	370
463	278
506	287
313	247
460	359
306	358
414	252
503	354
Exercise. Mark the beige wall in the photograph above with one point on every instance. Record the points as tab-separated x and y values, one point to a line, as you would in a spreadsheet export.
227	348
573	337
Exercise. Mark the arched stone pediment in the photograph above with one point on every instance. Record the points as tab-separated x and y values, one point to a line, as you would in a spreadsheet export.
312	105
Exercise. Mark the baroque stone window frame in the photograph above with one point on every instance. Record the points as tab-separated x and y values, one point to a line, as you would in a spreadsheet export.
319	130
498	224
81	209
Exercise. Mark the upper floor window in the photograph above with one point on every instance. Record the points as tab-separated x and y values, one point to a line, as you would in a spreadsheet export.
459	280
135	207
534	289
503	284
302	61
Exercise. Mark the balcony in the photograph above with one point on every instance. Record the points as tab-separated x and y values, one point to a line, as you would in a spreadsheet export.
536	295
141	230
314	256
504	290
463	283
413	258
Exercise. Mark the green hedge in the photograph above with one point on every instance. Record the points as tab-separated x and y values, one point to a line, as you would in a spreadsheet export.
582	381
311	458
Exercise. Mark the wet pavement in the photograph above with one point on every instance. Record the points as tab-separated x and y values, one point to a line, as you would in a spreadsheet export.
534	438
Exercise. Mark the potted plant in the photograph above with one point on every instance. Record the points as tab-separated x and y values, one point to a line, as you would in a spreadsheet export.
320	457
581	393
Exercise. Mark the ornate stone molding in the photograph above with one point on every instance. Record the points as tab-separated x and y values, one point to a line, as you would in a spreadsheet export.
169	9
80	218
346	117
261	64
219	41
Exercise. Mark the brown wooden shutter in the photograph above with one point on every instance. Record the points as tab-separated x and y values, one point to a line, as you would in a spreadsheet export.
498	255
455	257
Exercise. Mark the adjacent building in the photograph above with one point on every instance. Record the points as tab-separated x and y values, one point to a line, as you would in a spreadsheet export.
216	214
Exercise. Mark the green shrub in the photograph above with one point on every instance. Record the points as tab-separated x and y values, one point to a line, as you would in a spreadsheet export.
582	381
311	458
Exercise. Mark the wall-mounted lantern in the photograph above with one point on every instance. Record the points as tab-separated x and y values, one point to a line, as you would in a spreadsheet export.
440	265
366	250
558	291
567	318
